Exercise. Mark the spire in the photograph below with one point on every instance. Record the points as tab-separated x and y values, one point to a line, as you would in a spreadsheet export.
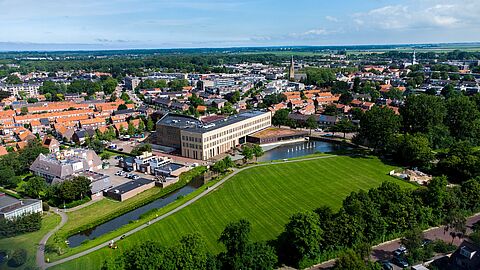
292	70
414	60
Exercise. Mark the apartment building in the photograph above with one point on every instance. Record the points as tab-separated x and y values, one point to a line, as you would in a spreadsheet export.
203	141
31	90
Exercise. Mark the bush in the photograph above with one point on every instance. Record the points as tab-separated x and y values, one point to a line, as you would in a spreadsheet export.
441	246
19	257
23	224
45	207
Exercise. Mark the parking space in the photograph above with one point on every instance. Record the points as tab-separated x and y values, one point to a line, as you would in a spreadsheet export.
121	179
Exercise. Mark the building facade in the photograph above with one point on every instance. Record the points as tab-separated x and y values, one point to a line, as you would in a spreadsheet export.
11	208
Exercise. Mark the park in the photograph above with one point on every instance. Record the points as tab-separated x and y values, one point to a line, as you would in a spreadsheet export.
267	195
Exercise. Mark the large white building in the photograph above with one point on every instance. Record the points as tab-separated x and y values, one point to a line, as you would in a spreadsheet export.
203	141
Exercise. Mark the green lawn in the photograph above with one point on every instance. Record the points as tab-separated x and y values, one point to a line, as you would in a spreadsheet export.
266	196
29	241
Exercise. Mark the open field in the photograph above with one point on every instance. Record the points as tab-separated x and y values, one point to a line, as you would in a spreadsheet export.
29	241
265	195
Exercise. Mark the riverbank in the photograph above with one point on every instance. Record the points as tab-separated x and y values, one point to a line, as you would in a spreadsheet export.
108	209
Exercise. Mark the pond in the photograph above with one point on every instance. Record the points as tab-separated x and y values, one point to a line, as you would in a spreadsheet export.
300	149
95	232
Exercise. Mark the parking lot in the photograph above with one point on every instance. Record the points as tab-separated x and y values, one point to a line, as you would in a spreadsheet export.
117	179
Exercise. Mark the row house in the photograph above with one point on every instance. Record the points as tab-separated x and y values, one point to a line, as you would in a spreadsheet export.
24	119
93	123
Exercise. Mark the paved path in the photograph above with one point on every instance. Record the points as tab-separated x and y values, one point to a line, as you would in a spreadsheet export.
43	265
41	245
384	251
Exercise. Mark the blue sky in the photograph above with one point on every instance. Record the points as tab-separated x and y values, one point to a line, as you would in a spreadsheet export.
224	23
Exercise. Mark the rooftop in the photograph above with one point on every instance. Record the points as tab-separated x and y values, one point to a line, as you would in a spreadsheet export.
130	185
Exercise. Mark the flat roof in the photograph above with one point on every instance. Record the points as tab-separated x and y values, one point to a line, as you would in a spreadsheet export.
178	120
6	200
277	132
129	186
225	122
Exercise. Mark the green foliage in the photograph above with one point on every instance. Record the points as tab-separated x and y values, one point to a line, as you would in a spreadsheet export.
320	76
247	153
463	118
460	163
301	238
271	99
18	258
20	225
150	124
35	187
122	107
139	149
13	79
177	84
350	260
378	127
70	190
280	118
413	150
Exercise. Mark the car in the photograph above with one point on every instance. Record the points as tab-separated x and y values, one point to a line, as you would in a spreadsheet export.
318	130
121	173
118	173
386	265
400	261
128	175
135	177
400	251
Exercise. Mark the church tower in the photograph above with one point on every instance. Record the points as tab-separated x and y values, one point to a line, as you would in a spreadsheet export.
292	70
414	60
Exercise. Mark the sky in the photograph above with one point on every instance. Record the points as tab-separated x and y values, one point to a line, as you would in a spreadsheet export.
123	24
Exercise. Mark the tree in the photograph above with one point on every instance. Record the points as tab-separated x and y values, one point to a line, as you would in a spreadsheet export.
18	258
190	253
6	176
414	150
350	260
412	241
463	123
23	110
35	187
241	253
13	79
471	194
301	238
257	151
141	126
456	222
131	129
345	126
122	107
421	113
377	128
280	117
247	153
150	124
311	123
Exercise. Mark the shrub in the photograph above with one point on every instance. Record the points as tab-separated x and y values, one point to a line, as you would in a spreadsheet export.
19	257
441	246
45	206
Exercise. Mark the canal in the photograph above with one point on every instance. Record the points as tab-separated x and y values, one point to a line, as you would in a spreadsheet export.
113	224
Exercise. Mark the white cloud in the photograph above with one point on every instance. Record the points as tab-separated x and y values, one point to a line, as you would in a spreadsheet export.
332	19
421	14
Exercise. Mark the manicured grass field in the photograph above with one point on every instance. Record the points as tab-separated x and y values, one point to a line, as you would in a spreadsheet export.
29	241
267	196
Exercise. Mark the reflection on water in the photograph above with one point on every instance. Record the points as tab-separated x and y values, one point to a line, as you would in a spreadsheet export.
300	149
77	239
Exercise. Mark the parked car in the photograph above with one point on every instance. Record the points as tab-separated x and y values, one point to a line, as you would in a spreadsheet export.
118	173
400	251
129	175
386	265
426	242
400	261
135	177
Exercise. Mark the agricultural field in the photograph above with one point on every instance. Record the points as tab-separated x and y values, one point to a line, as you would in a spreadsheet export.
265	195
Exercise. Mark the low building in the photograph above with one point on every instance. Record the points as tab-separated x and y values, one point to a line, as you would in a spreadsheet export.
276	135
99	182
11	208
466	257
129	189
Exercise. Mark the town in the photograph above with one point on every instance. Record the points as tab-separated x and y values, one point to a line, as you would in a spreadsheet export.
360	157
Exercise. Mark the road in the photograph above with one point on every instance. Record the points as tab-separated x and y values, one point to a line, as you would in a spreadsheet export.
41	245
384	251
40	257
